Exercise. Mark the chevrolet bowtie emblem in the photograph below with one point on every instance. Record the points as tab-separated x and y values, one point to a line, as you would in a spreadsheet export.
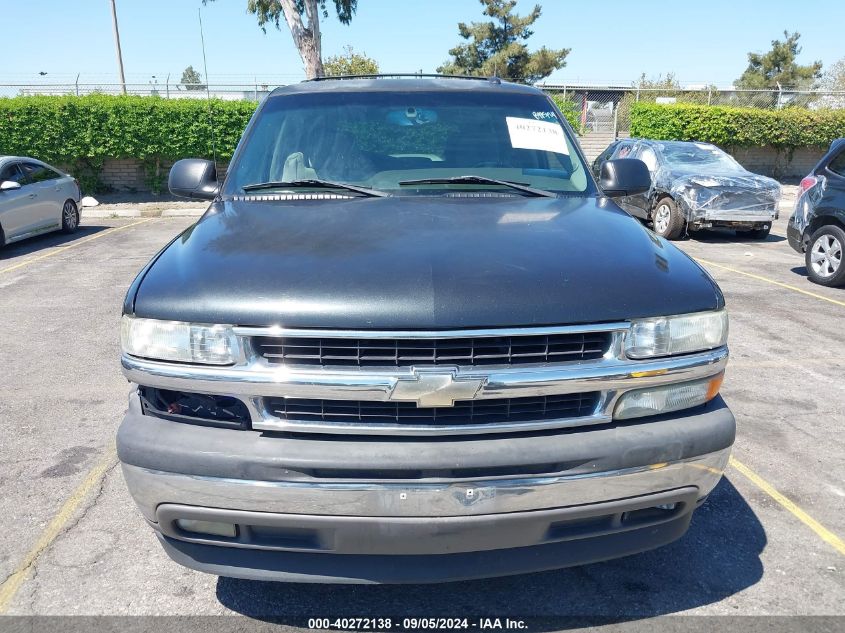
435	388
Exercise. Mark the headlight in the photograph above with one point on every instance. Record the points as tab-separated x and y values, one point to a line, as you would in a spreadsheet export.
178	342
682	334
667	398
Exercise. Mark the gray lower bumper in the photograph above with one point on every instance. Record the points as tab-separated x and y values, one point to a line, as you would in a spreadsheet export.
300	503
570	540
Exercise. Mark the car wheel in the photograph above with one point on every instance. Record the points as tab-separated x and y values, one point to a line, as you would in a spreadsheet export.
667	219
824	256
70	217
757	234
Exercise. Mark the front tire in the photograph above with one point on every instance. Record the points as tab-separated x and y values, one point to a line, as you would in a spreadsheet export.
70	217
667	219
824	256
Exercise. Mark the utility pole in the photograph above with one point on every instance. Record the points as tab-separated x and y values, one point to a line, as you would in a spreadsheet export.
117	47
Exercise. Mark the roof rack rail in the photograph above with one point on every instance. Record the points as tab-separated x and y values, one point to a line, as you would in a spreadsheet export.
496	80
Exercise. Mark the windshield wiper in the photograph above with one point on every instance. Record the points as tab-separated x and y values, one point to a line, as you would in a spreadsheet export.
480	180
314	183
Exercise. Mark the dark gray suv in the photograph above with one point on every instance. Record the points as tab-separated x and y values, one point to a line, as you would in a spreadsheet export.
411	340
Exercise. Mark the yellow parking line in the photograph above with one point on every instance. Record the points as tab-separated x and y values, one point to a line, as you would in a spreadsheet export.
821	531
771	281
62	249
13	583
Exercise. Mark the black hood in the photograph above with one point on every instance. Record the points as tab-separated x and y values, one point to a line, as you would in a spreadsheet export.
419	263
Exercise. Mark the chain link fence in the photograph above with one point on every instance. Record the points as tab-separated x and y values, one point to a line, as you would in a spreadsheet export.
228	91
597	109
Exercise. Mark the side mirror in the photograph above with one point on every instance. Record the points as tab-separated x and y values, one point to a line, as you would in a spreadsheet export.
193	178
9	185
624	177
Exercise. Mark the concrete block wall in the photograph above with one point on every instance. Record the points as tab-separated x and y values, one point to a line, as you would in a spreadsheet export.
782	164
594	143
127	174
123	174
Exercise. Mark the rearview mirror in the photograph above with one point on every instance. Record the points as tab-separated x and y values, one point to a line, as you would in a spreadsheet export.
624	177
9	185
193	178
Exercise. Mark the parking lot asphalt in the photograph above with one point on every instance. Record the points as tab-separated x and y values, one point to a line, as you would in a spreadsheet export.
768	541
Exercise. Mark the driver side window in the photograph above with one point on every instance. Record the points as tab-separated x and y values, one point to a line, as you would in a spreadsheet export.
623	150
12	172
837	165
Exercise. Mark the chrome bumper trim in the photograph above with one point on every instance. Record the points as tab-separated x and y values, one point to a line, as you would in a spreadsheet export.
151	488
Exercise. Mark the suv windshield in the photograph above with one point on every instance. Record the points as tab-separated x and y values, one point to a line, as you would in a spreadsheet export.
381	140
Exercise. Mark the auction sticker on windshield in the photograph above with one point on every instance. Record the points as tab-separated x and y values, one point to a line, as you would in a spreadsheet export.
533	134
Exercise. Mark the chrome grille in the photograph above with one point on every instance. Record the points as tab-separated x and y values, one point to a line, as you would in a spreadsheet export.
423	352
467	412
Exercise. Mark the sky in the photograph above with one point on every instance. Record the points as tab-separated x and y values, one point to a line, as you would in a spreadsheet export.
611	40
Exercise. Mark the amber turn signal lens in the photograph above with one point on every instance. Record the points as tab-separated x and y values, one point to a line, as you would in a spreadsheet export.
714	385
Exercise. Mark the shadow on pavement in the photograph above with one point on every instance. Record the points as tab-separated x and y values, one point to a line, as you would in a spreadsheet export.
718	557
48	240
801	271
728	235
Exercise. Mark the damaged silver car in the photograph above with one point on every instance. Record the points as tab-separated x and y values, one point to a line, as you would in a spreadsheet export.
696	186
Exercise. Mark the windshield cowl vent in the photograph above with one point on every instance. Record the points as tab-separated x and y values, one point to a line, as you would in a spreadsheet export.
480	194
281	197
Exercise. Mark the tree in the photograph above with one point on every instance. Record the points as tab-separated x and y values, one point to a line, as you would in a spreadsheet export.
670	82
766	71
497	48
191	79
306	35
350	63
834	78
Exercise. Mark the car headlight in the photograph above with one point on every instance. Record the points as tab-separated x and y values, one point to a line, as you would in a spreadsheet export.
178	342
681	334
667	398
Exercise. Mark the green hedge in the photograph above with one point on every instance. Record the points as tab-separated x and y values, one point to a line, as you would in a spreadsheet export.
82	132
569	110
737	127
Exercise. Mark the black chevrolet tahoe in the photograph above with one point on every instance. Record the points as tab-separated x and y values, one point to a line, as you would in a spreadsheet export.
413	340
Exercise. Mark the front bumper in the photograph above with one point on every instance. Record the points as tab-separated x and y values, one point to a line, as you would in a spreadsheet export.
578	541
795	233
726	218
729	216
388	509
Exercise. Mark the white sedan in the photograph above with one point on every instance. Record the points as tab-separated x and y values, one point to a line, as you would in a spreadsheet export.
35	198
